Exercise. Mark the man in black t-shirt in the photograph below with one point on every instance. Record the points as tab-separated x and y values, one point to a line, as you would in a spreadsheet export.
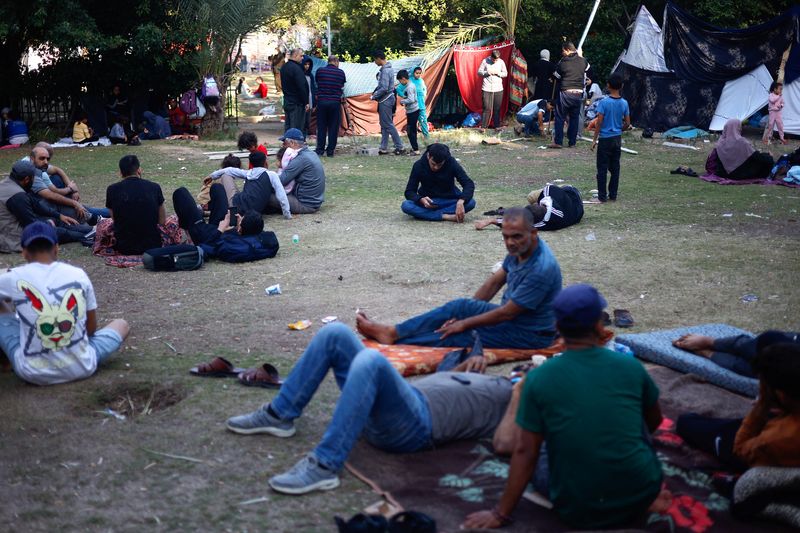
137	208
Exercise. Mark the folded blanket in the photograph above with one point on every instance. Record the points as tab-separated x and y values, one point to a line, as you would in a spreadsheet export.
768	492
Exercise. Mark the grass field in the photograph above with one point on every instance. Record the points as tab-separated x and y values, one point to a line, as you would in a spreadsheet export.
673	250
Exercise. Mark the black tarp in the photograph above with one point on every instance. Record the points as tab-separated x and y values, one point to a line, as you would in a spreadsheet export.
662	100
701	52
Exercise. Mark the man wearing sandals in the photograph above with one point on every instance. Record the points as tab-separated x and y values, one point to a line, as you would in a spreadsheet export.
376	402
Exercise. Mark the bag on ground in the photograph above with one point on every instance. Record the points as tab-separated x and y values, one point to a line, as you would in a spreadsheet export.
173	258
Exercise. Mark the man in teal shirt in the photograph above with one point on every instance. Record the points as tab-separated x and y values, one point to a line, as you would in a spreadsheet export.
590	406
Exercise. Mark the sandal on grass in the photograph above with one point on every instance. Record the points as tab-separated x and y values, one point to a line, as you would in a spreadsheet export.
266	376
219	367
623	318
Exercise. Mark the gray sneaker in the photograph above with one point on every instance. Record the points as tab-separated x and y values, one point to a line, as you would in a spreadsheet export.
260	421
306	476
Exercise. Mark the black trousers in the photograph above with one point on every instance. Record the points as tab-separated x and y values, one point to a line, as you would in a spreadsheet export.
757	166
295	116
329	118
411	129
711	435
608	153
491	108
190	217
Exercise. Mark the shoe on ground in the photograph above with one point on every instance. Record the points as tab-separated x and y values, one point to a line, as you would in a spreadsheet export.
304	477
399	151
413	152
383	152
555	146
260	421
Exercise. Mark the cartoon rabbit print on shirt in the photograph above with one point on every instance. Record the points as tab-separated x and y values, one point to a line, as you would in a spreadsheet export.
55	325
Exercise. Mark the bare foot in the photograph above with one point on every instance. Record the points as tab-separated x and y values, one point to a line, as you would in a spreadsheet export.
697	344
662	502
481	224
450	218
377	332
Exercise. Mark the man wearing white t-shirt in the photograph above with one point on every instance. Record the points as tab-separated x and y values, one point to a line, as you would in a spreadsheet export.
53	337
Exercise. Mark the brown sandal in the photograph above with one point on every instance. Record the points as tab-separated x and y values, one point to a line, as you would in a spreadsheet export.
266	376
219	367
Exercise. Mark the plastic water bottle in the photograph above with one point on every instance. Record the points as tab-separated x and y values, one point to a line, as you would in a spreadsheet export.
296	238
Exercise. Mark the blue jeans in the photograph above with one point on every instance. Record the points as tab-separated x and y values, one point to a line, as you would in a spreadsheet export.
100	211
531	123
567	106
375	399
421	329
445	206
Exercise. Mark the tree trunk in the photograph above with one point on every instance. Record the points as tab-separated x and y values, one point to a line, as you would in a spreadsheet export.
214	122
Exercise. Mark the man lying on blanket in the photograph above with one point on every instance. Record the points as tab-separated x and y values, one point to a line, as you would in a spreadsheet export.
524	318
581	429
376	402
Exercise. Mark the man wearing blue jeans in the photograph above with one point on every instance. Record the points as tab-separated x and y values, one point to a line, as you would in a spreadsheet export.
375	402
571	72
53	338
431	192
523	319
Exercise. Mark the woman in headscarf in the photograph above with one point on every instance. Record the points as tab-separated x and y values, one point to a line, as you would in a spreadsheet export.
736	157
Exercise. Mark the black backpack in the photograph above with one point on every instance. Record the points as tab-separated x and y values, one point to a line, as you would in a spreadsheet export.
173	258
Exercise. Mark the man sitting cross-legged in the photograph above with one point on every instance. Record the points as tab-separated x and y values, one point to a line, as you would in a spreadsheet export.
376	402
524	318
243	241
592	410
259	186
52	337
431	192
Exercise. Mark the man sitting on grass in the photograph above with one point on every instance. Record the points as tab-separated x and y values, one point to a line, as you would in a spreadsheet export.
431	192
584	412
53	337
243	241
524	318
376	402
260	186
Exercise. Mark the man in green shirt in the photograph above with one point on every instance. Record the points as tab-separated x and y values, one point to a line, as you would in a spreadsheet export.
590	407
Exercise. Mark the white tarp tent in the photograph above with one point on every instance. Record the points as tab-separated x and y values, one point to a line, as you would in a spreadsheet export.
742	97
791	108
646	48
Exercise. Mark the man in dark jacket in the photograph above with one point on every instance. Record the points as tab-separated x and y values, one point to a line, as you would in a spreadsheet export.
295	91
571	72
19	207
431	193
243	241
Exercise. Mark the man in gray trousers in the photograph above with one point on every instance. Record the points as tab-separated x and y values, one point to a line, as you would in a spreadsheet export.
384	95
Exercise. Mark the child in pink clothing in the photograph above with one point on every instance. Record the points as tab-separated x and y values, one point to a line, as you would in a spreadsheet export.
775	107
284	156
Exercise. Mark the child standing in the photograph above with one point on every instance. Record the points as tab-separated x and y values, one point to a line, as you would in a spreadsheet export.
613	117
412	110
422	92
775	106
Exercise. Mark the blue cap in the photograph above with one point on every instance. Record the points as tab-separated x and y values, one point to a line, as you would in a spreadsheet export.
293	134
579	306
38	230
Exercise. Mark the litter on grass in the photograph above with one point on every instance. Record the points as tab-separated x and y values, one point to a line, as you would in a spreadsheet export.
591	237
300	325
272	290
329	319
749	298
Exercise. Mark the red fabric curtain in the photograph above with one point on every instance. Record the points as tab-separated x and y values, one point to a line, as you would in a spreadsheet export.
467	59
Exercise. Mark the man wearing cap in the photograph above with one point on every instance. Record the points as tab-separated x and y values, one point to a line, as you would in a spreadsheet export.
307	173
19	207
524	319
583	413
53	337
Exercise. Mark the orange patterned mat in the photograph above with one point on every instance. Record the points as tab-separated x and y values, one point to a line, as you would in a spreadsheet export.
411	360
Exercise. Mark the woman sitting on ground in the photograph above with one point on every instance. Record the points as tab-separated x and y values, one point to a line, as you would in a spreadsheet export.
736	157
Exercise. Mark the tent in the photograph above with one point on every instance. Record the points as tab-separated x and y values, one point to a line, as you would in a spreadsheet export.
691	72
361	81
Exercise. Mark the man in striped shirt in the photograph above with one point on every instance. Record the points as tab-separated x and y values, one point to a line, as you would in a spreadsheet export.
330	94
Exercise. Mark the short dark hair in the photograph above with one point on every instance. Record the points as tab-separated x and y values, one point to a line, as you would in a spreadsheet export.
40	245
439	152
258	159
128	165
252	223
774	85
778	365
538	211
247	140
516	213
231	160
569	46
378	54
615	81
417	68
402	74
280	152
575	332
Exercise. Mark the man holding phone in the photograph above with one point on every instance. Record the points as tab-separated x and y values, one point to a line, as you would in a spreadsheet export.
431	193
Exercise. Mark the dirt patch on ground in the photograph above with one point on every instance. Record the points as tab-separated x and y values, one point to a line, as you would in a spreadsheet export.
130	400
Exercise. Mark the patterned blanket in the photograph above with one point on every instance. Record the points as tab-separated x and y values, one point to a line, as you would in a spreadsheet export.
412	360
713	178
104	241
